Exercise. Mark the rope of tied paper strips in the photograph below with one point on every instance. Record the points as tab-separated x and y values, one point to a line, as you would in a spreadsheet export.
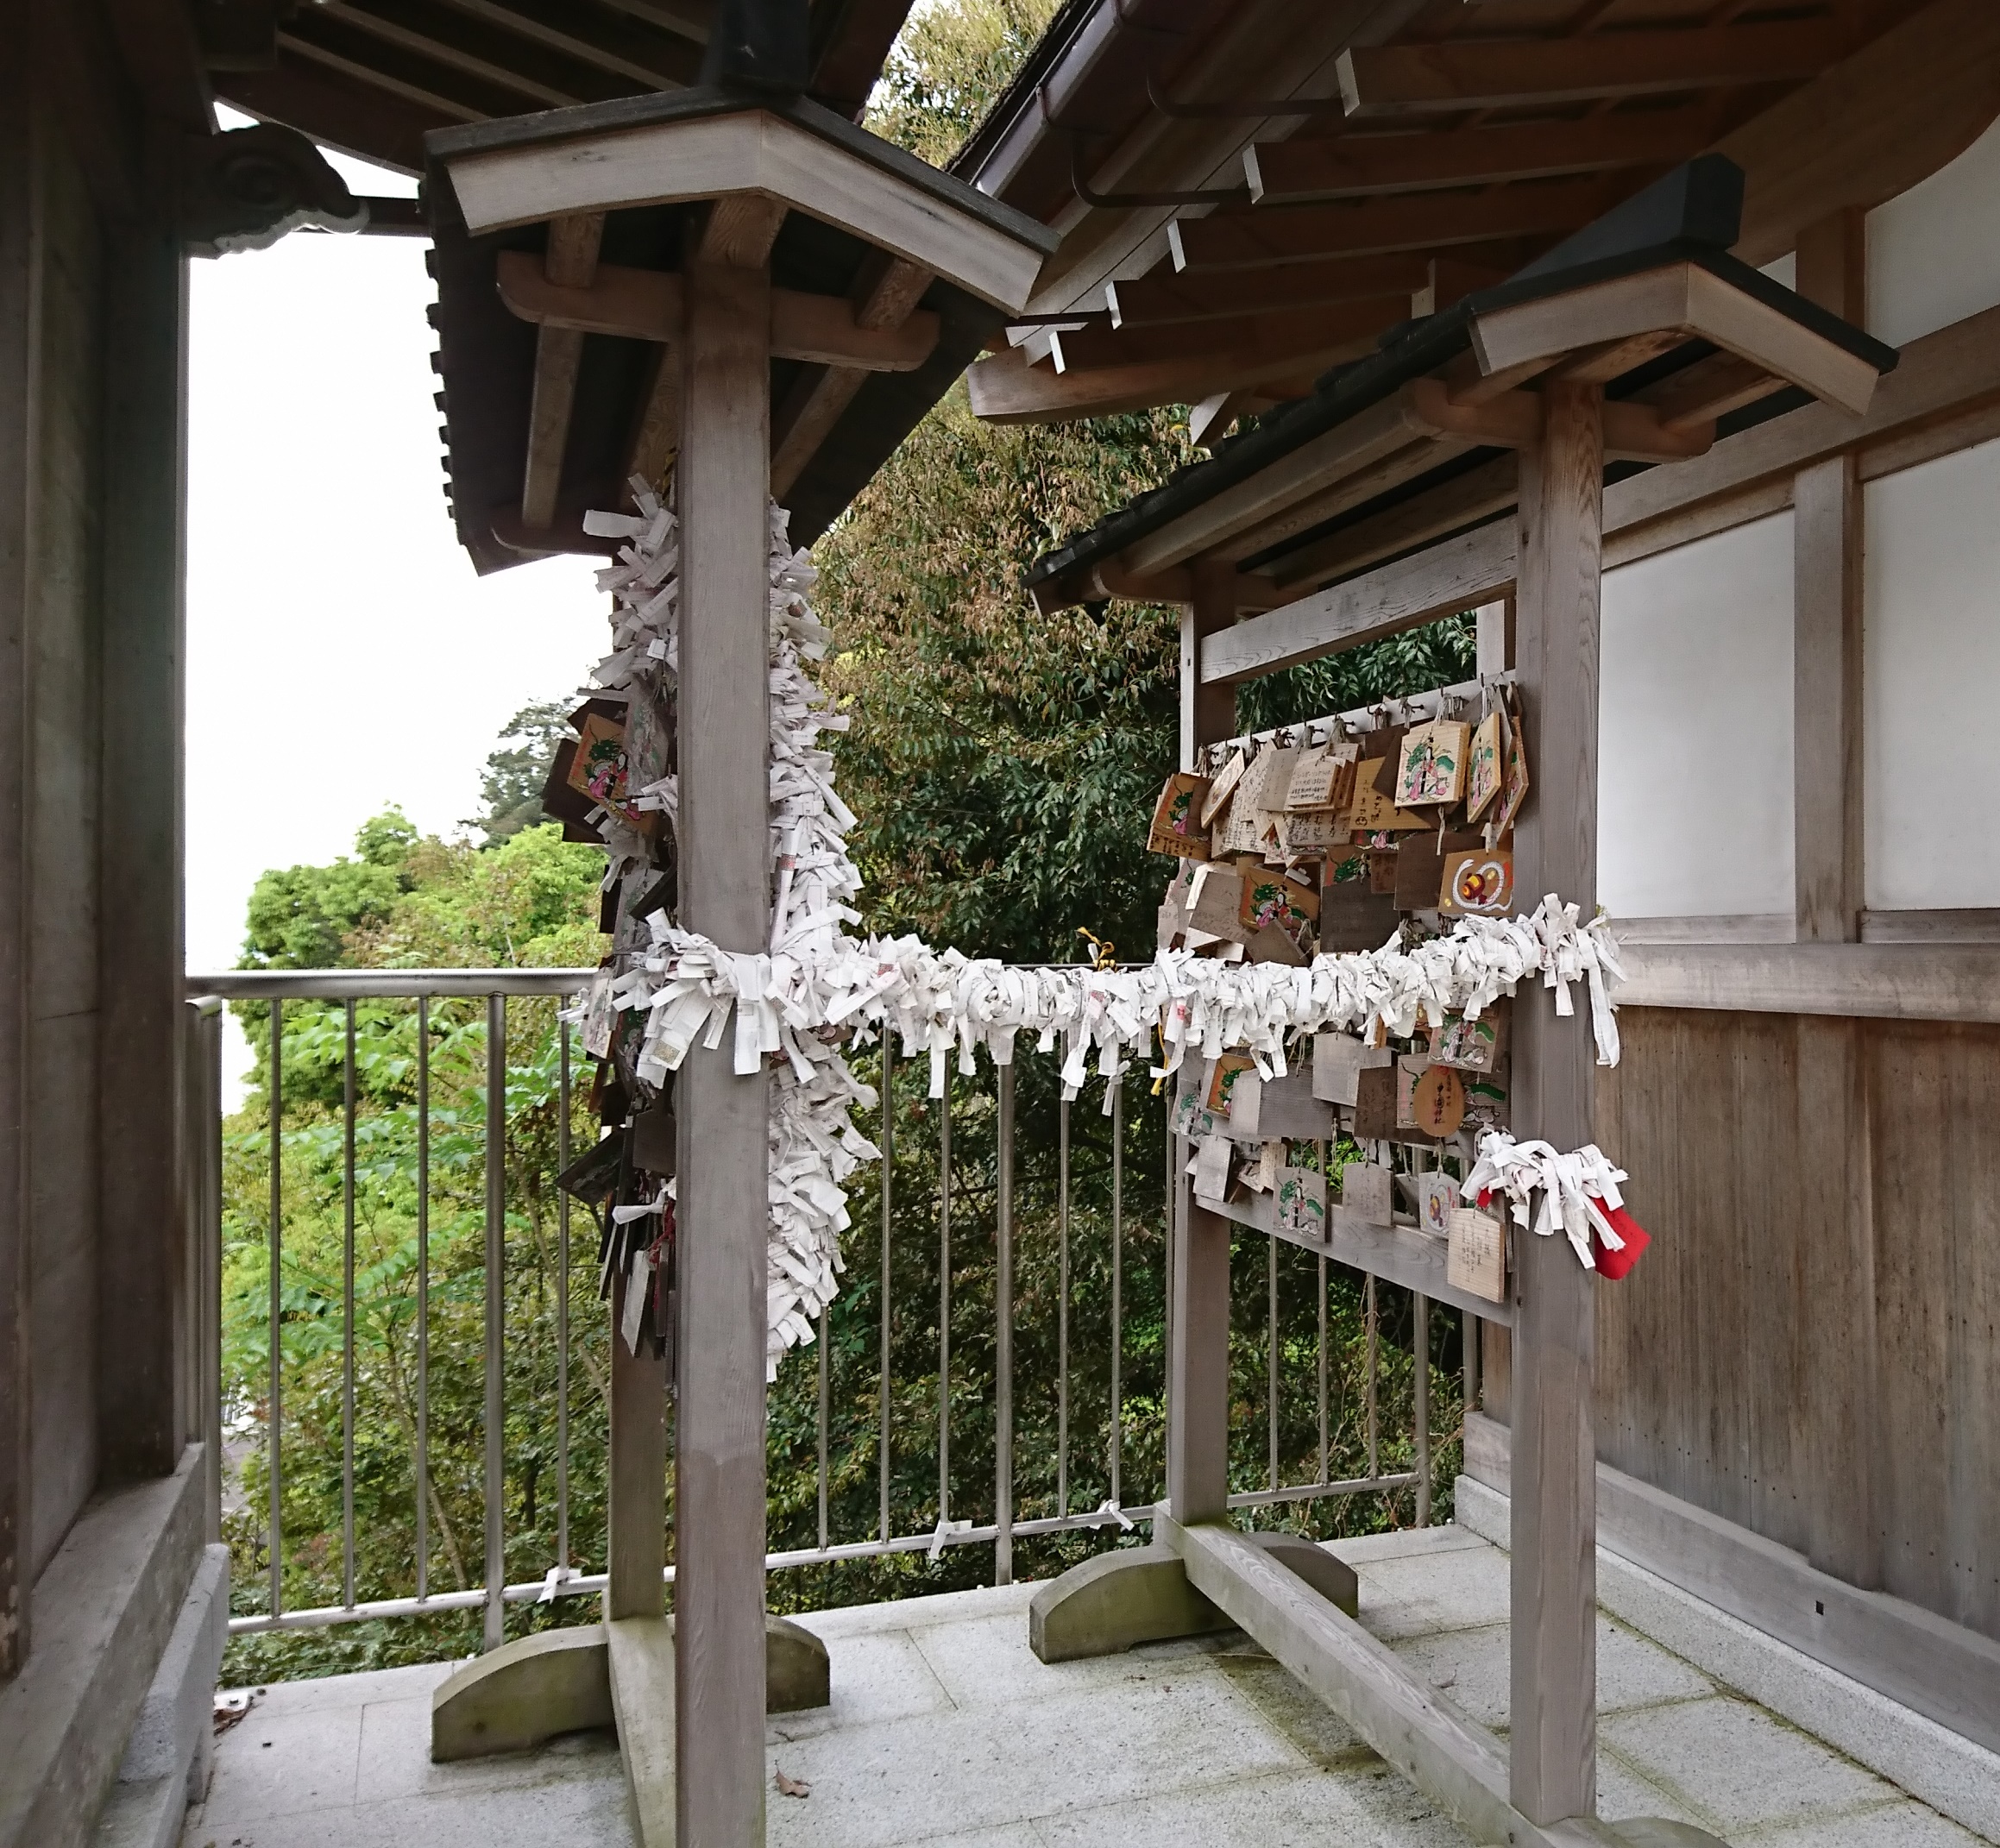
814	989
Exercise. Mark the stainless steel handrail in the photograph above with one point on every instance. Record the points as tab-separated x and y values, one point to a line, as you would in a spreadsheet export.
423	986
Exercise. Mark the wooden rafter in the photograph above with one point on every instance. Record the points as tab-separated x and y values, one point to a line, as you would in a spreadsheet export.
1359	165
647	52
1010	388
1162	296
441	51
444	108
1457	74
1243	239
570	261
1293	330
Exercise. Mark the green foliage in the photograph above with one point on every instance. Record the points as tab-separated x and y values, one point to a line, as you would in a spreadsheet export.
950	63
1438	655
998	757
510	785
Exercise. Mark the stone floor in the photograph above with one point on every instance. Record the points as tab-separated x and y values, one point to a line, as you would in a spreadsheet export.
945	1730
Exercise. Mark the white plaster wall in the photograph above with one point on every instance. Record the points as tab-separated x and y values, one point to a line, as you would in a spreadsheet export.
1933	252
1694	778
1932	651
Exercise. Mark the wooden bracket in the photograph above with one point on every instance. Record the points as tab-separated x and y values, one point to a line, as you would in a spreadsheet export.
646	304
1632	432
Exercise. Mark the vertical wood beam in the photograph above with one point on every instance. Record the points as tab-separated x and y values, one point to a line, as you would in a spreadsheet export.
18	470
637	1472
1836	1314
1197	1418
1826	763
143	1315
724	736
1553	1708
1486	1343
569	258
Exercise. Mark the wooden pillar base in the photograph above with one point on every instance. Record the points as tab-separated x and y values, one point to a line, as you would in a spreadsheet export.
560	1680
1450	1757
1108	1604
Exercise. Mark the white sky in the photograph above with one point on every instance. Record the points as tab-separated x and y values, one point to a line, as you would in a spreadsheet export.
342	655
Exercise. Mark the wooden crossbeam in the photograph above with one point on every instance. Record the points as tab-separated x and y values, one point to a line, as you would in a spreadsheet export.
570	261
1291	331
1357	166
1457	74
1010	388
1632	432
1707	390
1244	240
646	305
1163	296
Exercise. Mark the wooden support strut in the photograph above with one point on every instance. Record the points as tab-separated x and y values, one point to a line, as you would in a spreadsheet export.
1553	1701
723	483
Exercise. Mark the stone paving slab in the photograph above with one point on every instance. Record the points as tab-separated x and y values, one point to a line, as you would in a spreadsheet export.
946	1731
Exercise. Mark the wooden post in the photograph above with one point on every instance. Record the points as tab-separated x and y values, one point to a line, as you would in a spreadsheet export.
723	481
142	1315
1198	1422
1837	1315
636	1570
1554	1684
18	179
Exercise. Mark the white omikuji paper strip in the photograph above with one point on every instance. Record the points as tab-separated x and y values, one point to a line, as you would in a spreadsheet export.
814	990
1574	1189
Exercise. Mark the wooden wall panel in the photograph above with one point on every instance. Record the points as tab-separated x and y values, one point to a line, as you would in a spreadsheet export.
1811	1186
1935	1099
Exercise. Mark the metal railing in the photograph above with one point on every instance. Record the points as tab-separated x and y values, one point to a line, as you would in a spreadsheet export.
953	1194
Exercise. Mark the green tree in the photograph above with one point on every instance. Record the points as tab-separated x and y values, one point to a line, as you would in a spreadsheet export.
511	784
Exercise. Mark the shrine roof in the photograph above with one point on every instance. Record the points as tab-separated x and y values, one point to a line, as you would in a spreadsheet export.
1690	217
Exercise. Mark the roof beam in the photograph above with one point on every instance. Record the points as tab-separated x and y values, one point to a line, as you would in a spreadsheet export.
448	56
1372	226
1871	128
568	262
1296	330
1359	165
646	304
1457	74
1163	297
648	55
443	108
337	111
1008	388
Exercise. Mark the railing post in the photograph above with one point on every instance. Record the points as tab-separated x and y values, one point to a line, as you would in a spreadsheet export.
496	1248
202	1100
274	1388
1004	1342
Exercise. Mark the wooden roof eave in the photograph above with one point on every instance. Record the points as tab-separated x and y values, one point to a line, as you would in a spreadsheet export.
1464	382
872	348
1819	123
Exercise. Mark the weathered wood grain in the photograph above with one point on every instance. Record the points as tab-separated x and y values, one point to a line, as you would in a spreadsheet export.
719	1441
1553	1638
